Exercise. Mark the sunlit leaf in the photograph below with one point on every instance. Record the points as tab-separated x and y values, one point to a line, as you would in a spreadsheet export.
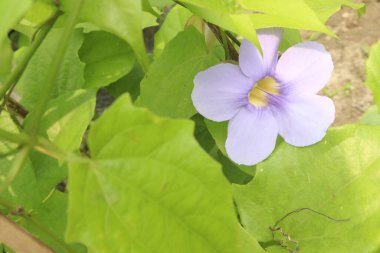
371	116
67	118
10	13
174	23
338	177
373	72
326	8
150	188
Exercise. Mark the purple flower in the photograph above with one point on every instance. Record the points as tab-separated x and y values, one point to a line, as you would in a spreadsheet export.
265	96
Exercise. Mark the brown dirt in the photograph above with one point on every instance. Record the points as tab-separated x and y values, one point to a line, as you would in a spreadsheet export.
349	53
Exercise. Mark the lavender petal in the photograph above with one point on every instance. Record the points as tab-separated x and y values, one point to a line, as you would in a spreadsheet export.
220	91
252	135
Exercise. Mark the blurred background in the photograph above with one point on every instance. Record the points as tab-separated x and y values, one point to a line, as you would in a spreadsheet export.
350	52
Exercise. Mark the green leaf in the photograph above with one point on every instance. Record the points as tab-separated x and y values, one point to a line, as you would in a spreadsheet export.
150	188
371	116
67	118
107	58
174	23
147	7
373	72
221	6
241	24
253	15
289	38
326	8
6	56
36	16
167	88
338	177
10	13
70	76
124	18
160	3
294	14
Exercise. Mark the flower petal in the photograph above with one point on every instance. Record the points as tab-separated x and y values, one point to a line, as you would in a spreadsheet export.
220	91
252	135
270	39
304	119
251	62
304	68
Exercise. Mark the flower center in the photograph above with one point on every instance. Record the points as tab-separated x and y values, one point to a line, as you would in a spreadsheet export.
262	90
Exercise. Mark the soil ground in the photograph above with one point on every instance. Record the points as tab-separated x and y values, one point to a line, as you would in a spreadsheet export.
350	52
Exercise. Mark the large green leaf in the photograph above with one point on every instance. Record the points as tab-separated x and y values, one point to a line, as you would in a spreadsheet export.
174	23
150	188
222	6
290	14
338	177
326	8
70	76
373	72
107	58
257	14
167	87
10	13
371	116
124	18
241	24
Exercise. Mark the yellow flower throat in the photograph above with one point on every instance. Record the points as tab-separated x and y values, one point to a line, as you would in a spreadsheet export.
261	90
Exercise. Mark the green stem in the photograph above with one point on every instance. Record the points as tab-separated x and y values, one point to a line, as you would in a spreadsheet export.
42	145
35	117
15	138
17	165
46	147
17	72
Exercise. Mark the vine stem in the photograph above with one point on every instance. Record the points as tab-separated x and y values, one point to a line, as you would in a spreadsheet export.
17	164
34	121
15	138
40	144
17	72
